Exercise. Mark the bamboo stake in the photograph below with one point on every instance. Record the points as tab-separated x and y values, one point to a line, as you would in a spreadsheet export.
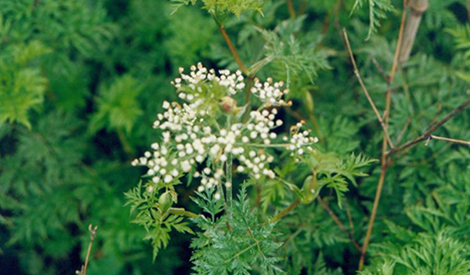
417	8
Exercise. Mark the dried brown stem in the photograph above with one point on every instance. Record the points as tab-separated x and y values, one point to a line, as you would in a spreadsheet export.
232	49
431	130
290	5
383	172
338	222
364	89
379	68
240	64
458	141
383	160
303	7
92	238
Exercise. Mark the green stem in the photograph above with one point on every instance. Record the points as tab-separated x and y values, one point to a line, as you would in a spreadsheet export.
242	251
249	85
284	212
183	212
229	179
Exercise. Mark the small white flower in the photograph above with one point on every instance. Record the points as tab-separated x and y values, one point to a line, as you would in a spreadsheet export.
166	104
223	158
168	179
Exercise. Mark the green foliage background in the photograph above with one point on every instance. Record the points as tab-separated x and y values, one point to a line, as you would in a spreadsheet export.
82	80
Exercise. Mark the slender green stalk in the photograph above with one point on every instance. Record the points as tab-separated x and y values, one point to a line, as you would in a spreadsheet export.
183	212
284	212
228	185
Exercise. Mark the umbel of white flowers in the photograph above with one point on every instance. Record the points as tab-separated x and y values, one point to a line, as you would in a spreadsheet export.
205	132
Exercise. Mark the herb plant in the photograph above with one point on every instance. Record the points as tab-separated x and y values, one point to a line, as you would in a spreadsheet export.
290	137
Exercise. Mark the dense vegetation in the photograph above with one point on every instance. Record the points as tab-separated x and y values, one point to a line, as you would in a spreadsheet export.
385	190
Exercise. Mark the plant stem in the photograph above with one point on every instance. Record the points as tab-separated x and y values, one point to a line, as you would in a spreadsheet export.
249	85
290	5
243	251
348	213
338	222
364	89
183	212
431	130
450	140
240	64
284	212
232	49
379	68
384	166
92	238
383	171
229	186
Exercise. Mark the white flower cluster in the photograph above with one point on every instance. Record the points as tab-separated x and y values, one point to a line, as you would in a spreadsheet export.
192	137
269	93
300	140
233	82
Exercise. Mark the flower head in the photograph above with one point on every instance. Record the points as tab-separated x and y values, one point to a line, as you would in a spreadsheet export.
205	130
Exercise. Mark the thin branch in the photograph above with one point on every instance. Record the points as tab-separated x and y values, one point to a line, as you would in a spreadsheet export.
290	5
379	68
92	238
458	141
439	109
383	171
303	7
406	89
332	214
364	89
383	160
240	64
338	222
348	213
431	130
243	251
232	49
403	130
294	113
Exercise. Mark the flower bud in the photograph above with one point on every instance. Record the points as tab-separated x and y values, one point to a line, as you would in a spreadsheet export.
228	105
165	201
